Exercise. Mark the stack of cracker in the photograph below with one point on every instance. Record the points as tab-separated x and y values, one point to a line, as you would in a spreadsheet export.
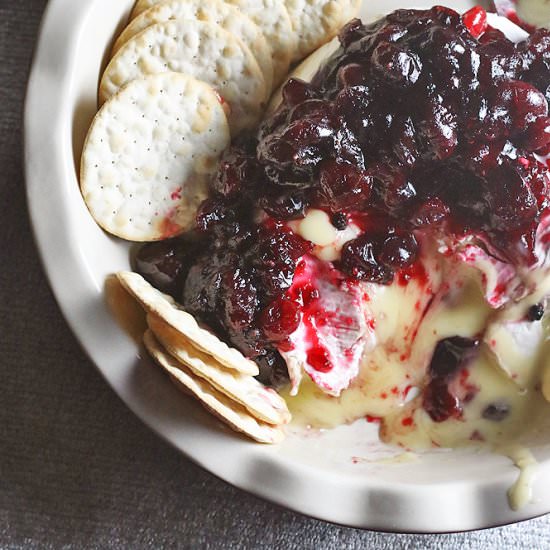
220	377
185	76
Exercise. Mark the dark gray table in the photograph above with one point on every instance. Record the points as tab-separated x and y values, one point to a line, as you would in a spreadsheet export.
77	469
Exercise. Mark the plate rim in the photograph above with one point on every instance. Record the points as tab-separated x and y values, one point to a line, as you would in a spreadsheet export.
60	25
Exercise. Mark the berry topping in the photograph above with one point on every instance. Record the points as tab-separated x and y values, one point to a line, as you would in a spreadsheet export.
423	127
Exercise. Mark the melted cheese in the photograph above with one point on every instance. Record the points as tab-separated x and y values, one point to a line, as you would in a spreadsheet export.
535	12
406	335
328	241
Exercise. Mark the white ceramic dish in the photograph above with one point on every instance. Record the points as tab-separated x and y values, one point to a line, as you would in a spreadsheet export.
441	491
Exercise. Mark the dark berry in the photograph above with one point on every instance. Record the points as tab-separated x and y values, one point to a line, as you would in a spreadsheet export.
397	67
449	358
361	259
343	186
535	312
399	251
497	411
339	220
165	264
280	319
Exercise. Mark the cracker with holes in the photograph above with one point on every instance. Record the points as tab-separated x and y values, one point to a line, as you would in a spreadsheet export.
234	415
215	11
318	21
141	6
263	403
200	49
274	20
162	305
149	156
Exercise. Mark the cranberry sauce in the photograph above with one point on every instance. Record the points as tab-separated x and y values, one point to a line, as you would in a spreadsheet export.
421	125
416	121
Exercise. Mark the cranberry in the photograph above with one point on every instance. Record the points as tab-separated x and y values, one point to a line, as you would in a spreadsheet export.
392	185
449	357
273	370
497	411
351	32
339	220
342	185
397	67
537	134
237	171
432	212
164	264
405	146
309	108
280	319
535	313
475	21
399	251
285	206
440	404
352	75
361	259
214	211
296	91
438	129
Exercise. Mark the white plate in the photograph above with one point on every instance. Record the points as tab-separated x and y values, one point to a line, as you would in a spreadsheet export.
443	491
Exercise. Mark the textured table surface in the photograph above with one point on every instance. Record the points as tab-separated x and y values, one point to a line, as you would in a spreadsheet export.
77	469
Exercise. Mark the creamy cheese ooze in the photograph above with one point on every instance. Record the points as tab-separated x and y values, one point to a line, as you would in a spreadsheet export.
534	12
474	295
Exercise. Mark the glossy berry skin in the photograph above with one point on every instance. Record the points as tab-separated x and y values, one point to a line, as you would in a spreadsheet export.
450	356
475	21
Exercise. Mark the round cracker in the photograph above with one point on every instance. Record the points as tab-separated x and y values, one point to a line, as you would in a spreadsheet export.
263	403
318	21
228	17
149	156
164	306
232	414
142	5
202	50
274	20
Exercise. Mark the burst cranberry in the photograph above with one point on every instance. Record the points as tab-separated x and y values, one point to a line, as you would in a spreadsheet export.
343	186
296	91
399	251
440	403
280	319
165	264
537	134
475	21
438	129
449	357
432	212
361	259
352	75
397	67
